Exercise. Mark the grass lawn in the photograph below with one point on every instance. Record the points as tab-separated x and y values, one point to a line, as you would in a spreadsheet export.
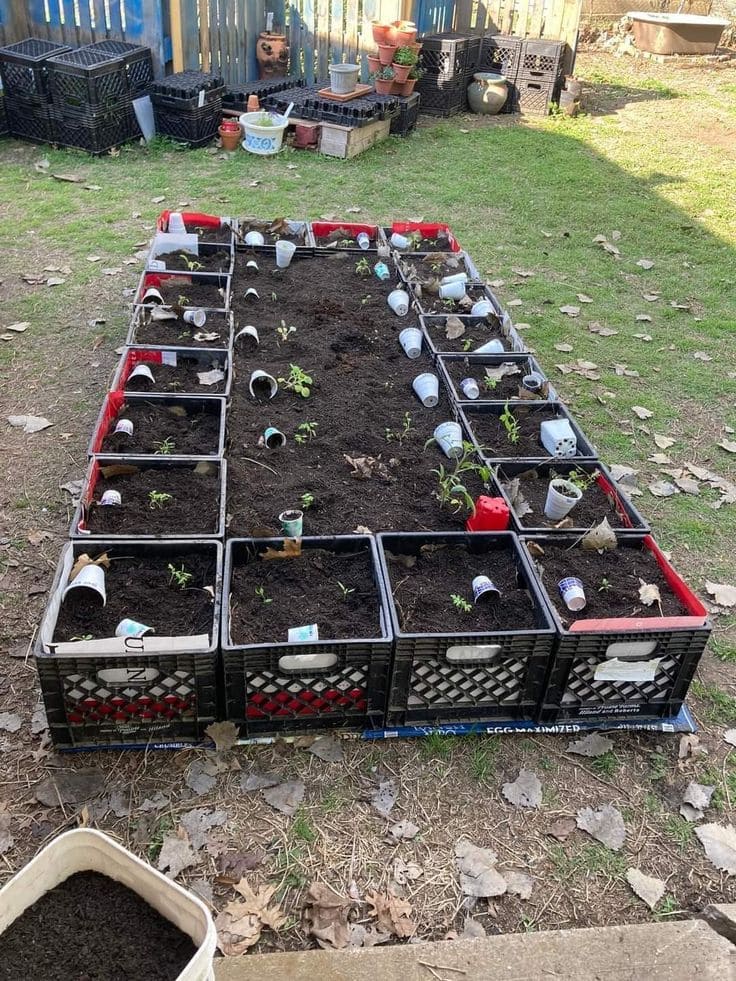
651	167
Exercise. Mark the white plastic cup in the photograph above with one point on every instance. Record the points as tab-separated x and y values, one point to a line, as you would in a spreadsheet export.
364	240
142	370
449	436
452	291
132	628
111	498
454	278
254	238
248	331
90	578
399	301
123	426
562	496
382	271
292	522
485	590
196	317
251	294
284	253
470	389
532	382
309	632
152	295
427	389
399	241
252	266
558	438
410	339
260	379
490	347
481	308
273	438
176	224
572	593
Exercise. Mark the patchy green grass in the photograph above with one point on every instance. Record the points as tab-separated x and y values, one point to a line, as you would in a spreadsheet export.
679	830
606	765
718	706
436	746
590	860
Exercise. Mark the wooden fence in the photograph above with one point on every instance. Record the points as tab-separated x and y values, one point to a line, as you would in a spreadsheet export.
525	18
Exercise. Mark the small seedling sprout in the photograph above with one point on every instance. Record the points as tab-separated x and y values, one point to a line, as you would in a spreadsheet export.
297	380
604	586
344	590
283	331
181	577
183	301
305	431
460	603
510	424
363	267
192	264
157	499
165	447
307	500
581	480
261	594
404	433
467	344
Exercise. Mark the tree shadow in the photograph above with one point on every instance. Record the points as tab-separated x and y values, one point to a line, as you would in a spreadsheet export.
603	98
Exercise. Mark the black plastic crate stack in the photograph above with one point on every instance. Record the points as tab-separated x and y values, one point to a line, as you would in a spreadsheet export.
188	106
92	107
137	60
25	77
3	121
237	98
447	61
538	77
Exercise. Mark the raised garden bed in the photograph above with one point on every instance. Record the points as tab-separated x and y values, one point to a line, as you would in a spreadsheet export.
344	235
179	370
187	291
430	304
432	266
148	329
446	339
497	377
424	236
275	230
211	257
208	228
511	430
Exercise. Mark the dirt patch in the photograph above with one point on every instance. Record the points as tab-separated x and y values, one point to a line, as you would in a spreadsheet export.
174	429
218	261
477	331
512	430
177	333
188	291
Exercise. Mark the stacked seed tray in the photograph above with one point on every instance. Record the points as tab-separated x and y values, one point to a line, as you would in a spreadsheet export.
188	106
218	473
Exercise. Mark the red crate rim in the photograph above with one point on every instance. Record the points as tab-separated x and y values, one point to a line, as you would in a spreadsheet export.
322	228
427	229
113	403
197	218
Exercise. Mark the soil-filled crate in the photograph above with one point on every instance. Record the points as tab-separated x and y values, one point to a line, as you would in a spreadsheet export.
151	498
503	431
207	228
87	80
27	122
432	267
439	97
180	371
344	235
430	303
465	335
177	426
24	69
423	236
275	230
592	497
137	60
455	659
187	90
185	290
196	127
475	378
96	132
633	649
306	639
541	58
140	669
501	54
154	327
185	252
236	97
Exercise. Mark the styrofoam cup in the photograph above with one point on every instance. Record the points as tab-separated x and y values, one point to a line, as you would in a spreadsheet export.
254	238
273	438
399	301
284	253
132	628
124	426
91	579
251	294
558	437
364	240
410	339
469	388
292	522
247	331
382	271
111	498
481	308
261	378
562	496
142	370
452	291
490	347
196	317
399	241
532	382
152	295
427	389
449	436
485	590
572	593
460	277
252	266
176	224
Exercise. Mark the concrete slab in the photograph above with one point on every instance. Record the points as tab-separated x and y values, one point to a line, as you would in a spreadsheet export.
723	920
680	951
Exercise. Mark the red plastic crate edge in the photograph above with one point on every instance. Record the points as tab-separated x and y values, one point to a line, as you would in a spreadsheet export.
321	228
430	229
111	407
189	218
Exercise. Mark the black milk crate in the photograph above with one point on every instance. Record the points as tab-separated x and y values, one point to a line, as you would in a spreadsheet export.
632	521
533	96
96	132
87	81
34	123
197	127
188	90
24	70
585	683
128	692
442	98
277	688
474	366
448	55
237	97
541	58
182	333
468	412
3	119
405	121
137	59
501	53
467	677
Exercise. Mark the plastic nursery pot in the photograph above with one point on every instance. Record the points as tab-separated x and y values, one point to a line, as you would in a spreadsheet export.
343	78
562	496
384	34
408	87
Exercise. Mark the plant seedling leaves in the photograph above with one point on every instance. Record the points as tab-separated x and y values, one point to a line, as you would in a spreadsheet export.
10	722
199	821
327	748
327	915
649	593
176	855
645	263
600	538
525	791
29	424
384	798
646	887
594	744
404	872
393	915
723	594
728	445
285	797
562	828
477	869
662	488
201	776
641	412
719	842
454	328
729	736
223	734
571	311
258	781
405	830
605	824
69	787
292	550
564	348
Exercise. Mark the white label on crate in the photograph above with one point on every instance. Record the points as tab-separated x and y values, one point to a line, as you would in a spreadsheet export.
310	632
465	653
200	103
157	265
132	645
122	677
638	671
169	358
631	648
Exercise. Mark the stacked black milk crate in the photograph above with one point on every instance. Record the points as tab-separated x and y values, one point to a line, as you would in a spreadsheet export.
188	106
447	61
24	71
532	67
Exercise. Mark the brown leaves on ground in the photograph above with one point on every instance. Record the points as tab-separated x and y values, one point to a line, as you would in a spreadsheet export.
649	593
646	887
292	550
722	593
327	916
393	915
476	866
240	924
223	734
600	538
454	328
176	854
525	791
85	560
365	467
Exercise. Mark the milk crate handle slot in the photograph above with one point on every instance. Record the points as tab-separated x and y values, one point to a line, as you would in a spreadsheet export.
634	650
307	662
472	653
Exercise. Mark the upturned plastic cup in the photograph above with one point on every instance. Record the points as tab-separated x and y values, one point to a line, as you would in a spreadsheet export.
176	224
132	628
247	332
449	438
196	317
88	583
142	370
260	380
427	389
558	437
470	389
382	271
292	523
251	294
252	266
399	301
562	496
274	438
410	339
572	593
364	240
124	426
490	347
399	241
452	291
284	253
454	278
111	498
484	590
532	382
152	295
481	308
254	238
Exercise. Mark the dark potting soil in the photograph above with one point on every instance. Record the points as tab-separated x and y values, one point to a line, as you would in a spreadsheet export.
591	509
67	935
192	508
499	391
478	331
180	292
422	592
430	303
143	589
424	268
343	238
217	235
611	582
181	377
272	231
204	262
194	431
215	333
421	243
490	433
304	590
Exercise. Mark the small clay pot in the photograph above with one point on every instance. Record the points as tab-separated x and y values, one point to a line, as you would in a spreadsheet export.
408	87
383	86
230	138
386	53
380	32
406	35
374	63
401	72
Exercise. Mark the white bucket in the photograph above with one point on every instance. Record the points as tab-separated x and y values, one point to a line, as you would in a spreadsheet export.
452	291
562	496
263	140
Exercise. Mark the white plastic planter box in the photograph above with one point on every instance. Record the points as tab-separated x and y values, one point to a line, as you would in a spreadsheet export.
84	850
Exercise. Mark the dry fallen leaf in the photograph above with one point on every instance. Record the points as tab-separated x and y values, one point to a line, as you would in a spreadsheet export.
454	328
584	298
596	328
663	442
10	722
606	824
594	744
662	488
519	884
292	550
477	868
365	467
600	538
404	831
223	734
29	424
649	593
327	915
645	263
563	347
723	594
729	736
384	798
239	925
525	791
646	887
393	915
719	842
562	828
643	318
328	748
199	821
702	356
285	797
641	412
176	855
728	445
404	872
571	311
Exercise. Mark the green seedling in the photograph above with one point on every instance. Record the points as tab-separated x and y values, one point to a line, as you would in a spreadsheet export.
452	493
165	447
261	594
467	344
181	577
283	331
404	433
157	499
460	603
83	637
345	592
297	380
366	299
183	301
490	383
510	425
305	431
265	120
274	297
604	586
363	267
191	264
581	480
307	500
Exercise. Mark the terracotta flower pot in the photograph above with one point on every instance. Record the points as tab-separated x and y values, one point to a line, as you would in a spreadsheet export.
386	53
396	88
230	138
272	53
374	63
380	32
406	36
383	86
408	87
401	72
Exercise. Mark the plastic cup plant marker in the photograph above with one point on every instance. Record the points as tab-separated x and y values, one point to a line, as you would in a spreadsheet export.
364	240
427	389
132	628
196	317
532	382
260	382
142	371
152	295
124	426
454	278
284	253
252	266
273	438
111	498
449	436
254	238
481	308
292	523
572	593
382	271
558	438
490	347
484	590
245	333
399	301
411	341
399	241
562	496
452	291
176	224
469	388
88	584
251	294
